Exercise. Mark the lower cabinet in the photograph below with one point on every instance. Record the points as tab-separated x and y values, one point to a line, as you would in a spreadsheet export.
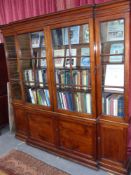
102	144
20	121
112	146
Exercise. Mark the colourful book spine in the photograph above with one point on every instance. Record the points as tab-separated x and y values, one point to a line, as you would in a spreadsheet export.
121	106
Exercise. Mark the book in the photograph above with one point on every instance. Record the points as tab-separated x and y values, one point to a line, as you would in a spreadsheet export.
59	62
71	52
88	103
57	37
42	39
85	33
74	33
85	51
85	62
121	106
47	96
43	53
70	62
35	40
43	62
31	96
115	30
59	52
65	36
114	77
116	48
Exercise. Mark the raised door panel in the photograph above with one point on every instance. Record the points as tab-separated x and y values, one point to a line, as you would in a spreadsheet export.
21	122
113	144
41	127
77	137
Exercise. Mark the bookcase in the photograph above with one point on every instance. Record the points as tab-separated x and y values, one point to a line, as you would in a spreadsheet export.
69	73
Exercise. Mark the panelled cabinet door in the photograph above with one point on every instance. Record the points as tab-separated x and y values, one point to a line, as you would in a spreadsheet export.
73	62
20	121
113	146
41	128
33	65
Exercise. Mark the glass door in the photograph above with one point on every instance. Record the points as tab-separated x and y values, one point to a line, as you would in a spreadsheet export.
13	69
112	60
34	68
72	67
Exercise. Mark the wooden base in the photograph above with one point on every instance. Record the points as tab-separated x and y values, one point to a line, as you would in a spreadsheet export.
62	153
115	169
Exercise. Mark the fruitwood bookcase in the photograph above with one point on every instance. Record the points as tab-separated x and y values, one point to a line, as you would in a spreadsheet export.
69	73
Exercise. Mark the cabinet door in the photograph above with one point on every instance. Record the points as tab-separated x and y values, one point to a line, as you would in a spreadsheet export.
113	146
113	72
34	68
41	127
78	138
73	61
13	68
112	37
20	121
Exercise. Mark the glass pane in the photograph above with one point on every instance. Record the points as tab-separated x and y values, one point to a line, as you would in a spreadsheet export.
12	57
10	47
13	67
112	58
71	53
34	67
16	90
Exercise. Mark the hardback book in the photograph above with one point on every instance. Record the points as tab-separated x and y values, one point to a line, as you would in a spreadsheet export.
115	30
85	62
85	51
114	77
43	62
74	33
116	48
35	40
70	62
59	52
57	37
85	34
43	53
65	36
32	97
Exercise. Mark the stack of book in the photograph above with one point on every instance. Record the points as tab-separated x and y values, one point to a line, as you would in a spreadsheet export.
41	77
113	105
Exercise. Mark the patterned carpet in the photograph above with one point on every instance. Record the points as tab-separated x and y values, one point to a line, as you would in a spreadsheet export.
20	163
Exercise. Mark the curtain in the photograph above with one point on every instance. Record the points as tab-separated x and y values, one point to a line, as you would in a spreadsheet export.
13	10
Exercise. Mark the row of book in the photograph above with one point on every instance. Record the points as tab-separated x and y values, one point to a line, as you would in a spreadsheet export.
79	102
77	78
41	77
115	51
113	105
41	96
76	35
